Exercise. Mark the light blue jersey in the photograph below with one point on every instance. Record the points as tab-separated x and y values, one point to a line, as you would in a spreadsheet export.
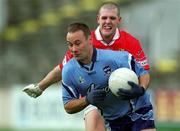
77	78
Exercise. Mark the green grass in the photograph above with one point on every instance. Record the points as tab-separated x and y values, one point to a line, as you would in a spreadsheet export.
168	126
168	129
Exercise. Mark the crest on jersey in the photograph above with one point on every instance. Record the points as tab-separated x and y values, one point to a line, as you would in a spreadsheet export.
81	79
107	70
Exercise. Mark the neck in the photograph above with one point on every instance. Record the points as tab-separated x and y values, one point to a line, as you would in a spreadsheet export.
108	39
88	59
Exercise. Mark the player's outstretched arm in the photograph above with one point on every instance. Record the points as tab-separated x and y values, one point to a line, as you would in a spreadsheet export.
51	78
35	90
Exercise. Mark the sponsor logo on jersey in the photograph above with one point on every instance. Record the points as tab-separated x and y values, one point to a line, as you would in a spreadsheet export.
107	70
144	62
91	86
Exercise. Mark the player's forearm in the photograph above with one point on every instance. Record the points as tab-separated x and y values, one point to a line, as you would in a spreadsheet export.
144	80
51	78
76	105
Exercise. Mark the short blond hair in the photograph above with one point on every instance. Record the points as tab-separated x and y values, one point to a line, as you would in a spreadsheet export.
110	5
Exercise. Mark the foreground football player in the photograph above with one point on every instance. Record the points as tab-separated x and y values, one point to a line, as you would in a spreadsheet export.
106	36
87	75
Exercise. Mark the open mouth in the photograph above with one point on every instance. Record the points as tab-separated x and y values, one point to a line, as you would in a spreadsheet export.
107	28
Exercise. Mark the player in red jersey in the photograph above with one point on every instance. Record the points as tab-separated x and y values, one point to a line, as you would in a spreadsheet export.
121	41
106	36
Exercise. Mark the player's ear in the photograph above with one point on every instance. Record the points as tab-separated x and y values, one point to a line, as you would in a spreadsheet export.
90	40
120	19
97	19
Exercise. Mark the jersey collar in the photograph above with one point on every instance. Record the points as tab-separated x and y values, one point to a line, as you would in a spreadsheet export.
99	37
94	57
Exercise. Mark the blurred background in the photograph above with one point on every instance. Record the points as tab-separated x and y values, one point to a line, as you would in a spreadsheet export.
32	43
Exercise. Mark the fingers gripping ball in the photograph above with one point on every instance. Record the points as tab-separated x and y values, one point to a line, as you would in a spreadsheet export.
32	90
95	95
119	79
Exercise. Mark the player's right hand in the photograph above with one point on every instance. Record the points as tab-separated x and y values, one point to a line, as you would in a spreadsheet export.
95	96
32	90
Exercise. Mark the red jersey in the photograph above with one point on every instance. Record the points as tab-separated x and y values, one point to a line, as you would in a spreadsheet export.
122	41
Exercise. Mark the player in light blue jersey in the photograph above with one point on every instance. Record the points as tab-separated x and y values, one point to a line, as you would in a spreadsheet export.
85	81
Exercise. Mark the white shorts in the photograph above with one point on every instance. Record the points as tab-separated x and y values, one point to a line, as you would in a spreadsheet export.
88	109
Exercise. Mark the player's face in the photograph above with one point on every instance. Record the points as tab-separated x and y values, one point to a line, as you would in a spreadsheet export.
78	45
108	21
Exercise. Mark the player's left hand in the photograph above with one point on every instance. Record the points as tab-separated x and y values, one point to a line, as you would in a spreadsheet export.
135	91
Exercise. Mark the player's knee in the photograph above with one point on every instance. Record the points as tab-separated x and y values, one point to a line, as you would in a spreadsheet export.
94	120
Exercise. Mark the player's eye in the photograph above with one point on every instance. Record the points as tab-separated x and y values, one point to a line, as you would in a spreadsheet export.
77	42
112	18
104	18
69	44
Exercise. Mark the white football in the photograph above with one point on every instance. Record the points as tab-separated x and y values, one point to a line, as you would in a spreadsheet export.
119	78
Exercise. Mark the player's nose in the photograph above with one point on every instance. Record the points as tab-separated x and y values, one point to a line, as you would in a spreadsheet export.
108	20
74	49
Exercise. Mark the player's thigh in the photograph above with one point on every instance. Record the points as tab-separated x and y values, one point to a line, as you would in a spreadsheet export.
93	119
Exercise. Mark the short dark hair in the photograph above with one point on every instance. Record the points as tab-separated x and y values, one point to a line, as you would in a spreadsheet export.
110	5
79	26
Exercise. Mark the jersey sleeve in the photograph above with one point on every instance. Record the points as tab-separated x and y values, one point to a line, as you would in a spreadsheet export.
127	60
66	58
69	91
135	48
